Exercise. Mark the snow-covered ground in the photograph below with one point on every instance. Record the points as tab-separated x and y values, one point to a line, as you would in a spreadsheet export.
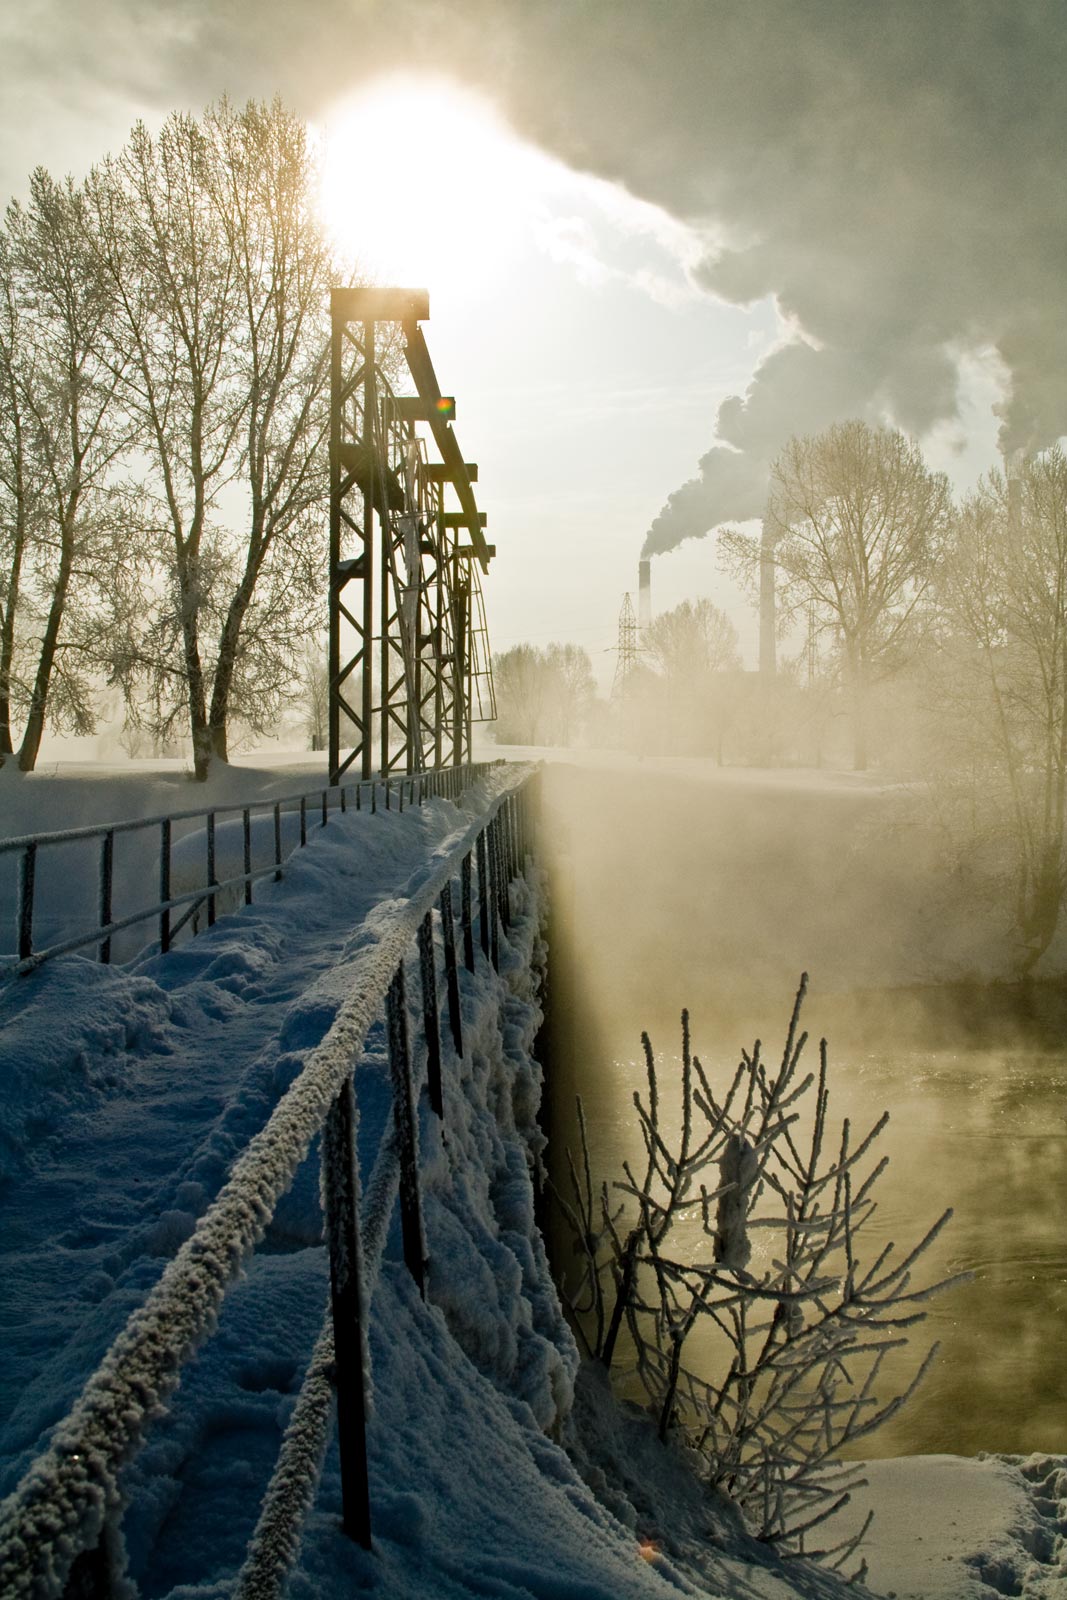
495	1471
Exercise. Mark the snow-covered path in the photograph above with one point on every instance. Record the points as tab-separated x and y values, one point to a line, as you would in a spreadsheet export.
128	1094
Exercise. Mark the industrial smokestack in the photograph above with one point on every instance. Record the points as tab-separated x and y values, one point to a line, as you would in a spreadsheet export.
644	593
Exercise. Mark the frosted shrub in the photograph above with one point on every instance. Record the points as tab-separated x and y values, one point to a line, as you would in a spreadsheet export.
804	1333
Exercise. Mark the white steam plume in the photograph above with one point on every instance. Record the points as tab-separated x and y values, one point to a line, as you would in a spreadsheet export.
892	173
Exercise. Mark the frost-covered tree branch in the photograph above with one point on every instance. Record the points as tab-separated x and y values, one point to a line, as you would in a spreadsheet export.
793	1308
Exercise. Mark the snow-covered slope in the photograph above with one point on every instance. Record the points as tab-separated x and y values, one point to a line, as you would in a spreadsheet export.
127	1096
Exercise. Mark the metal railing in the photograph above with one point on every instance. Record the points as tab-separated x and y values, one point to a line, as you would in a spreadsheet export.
57	1529
390	792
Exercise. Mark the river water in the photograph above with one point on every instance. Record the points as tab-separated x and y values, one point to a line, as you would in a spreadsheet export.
713	897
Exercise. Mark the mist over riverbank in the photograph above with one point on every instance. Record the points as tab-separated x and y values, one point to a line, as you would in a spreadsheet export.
677	884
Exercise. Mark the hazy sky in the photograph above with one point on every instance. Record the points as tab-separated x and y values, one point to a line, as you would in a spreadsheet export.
656	233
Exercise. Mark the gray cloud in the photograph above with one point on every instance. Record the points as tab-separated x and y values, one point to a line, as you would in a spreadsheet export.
892	172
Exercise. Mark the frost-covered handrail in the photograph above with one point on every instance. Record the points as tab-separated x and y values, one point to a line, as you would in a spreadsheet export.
419	786
94	830
70	1492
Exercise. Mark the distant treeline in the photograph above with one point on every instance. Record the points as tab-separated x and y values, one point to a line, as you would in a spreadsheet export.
932	644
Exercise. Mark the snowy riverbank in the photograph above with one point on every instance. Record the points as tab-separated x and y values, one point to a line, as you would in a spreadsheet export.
126	1095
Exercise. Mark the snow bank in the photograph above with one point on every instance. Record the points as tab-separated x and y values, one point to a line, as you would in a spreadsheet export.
963	1528
497	1468
51	1069
71	1491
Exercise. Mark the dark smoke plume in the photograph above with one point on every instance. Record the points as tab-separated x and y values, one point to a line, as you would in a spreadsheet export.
892	173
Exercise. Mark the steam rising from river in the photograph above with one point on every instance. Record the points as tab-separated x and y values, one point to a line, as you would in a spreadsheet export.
675	885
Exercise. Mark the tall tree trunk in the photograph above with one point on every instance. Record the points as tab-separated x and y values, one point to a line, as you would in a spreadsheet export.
194	671
34	730
7	647
226	663
7	632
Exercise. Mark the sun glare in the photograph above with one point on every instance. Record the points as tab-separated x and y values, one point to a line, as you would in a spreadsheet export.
425	185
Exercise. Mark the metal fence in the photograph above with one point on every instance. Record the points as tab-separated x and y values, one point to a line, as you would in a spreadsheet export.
58	1528
155	839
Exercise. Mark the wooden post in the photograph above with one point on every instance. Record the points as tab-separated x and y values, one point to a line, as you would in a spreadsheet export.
466	915
340	1186
211	878
107	880
246	829
448	929
164	885
404	1125
430	1021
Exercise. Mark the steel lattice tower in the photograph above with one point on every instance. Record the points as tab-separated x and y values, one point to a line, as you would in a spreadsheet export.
408	649
627	647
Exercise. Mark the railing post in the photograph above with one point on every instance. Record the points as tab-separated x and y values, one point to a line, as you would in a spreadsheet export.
494	892
484	908
246	830
107	880
404	1125
27	874
373	796
164	885
448	931
512	834
340	1185
400	788
344	799
498	872
325	806
524	824
504	878
303	820
466	917
277	841
211	878
504	815
430	1021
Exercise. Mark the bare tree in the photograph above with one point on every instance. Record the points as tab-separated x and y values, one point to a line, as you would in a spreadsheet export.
1003	679
65	529
219	273
806	1306
20	478
694	648
692	640
574	689
857	520
543	695
315	697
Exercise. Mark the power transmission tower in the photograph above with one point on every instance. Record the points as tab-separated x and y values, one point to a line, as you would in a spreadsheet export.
626	659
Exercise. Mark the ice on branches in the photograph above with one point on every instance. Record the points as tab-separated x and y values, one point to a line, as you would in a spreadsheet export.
800	1311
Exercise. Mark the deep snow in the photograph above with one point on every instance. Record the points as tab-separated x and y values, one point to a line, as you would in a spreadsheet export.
127	1094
